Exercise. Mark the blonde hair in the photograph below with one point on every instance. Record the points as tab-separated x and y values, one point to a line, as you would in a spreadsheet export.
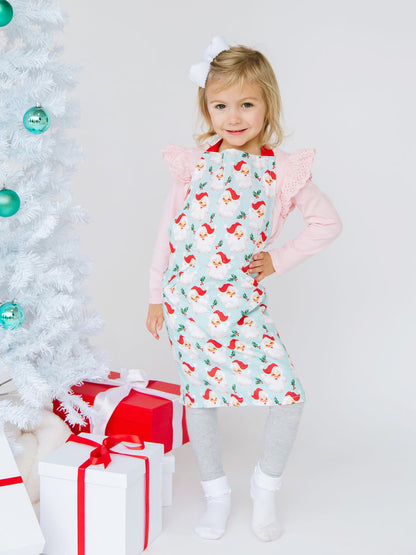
238	65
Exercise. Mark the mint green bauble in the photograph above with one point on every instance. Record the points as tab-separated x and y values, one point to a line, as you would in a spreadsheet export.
6	13
36	120
11	316
9	203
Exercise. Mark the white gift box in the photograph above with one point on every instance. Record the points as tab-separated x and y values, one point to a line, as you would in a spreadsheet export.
168	471
20	533
114	499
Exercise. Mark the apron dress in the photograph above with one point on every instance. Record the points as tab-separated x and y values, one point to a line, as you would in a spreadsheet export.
226	346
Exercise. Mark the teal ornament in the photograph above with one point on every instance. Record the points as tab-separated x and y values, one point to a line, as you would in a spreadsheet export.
6	13
11	316
9	202
36	120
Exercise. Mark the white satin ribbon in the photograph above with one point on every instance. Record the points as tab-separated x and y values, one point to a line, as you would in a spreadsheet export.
198	72
132	378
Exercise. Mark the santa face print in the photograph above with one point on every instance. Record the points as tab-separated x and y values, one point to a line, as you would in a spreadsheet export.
188	270
272	347
200	206
237	114
215	351
228	203
243	175
268	183
236	237
195	331
274	378
191	375
216	378
241	372
204	239
218	325
257	215
172	294
198	300
229	296
187	347
180	228
219	266
216	181
248	327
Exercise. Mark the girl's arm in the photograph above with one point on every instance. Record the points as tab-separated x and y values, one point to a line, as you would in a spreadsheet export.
323	222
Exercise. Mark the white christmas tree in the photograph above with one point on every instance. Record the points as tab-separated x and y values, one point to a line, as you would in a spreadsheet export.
41	270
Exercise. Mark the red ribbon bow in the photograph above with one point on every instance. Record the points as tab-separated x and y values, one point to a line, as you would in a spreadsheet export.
101	455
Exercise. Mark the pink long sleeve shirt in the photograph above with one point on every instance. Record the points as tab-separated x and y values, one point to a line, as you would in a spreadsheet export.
294	188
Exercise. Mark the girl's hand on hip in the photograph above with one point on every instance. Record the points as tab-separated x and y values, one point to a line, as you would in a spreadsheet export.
155	319
262	264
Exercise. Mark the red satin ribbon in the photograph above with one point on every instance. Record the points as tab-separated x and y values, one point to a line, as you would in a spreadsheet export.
11	481
101	455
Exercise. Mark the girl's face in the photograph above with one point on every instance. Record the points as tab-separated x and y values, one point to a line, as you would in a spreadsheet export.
237	115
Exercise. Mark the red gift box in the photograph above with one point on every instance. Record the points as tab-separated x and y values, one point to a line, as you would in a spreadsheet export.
147	416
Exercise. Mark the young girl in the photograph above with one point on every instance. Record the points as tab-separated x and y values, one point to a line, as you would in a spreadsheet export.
230	199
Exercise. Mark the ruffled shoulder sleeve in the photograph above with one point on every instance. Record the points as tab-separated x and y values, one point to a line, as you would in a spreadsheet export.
181	161
297	174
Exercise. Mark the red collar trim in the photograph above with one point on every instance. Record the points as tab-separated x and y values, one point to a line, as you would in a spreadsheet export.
264	151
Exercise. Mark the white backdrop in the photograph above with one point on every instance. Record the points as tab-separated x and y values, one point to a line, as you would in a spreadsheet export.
346	315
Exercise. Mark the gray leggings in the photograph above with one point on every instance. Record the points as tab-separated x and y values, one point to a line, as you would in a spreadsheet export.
279	434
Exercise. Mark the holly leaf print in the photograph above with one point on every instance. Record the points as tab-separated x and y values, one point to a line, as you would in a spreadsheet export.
176	268
244	312
256	175
202	279
234	388
293	383
229	180
183	293
198	346
211	217
192	228
180	355
233	277
258	381
276	401
245	155
232	354
224	400
255	345
234	333
207	361
184	310
252	238
214	303
187	206
245	296
265	327
247	257
263	358
187	387
188	247
206	382
220	244
256	194
202	185
267	225
242	215
181	328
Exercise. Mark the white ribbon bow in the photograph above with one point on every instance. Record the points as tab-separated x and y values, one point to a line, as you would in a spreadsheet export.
131	378
198	72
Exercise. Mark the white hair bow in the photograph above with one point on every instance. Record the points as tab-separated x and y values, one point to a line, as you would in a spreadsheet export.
198	72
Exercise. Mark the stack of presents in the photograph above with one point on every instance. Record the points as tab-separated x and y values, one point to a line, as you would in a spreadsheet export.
104	489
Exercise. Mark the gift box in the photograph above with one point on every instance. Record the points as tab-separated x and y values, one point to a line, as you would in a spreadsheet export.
155	412
87	508
20	532
167	479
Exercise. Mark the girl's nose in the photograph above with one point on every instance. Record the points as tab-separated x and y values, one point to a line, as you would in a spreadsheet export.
234	116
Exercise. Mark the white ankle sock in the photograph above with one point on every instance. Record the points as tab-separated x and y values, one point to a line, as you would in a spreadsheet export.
262	489
214	520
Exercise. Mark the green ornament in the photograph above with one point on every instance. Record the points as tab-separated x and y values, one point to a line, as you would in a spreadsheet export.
6	13
9	202
36	120
11	316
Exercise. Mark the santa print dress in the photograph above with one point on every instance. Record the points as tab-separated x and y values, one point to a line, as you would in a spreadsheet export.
226	346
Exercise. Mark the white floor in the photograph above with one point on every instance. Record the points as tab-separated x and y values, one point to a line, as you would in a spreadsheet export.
339	496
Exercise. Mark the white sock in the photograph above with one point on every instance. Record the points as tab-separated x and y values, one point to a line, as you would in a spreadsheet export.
262	489
214	520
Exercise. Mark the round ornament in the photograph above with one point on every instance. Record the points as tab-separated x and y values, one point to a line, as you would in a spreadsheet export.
36	120
9	202
11	316
6	13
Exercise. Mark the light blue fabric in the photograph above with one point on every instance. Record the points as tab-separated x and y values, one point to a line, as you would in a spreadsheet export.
226	346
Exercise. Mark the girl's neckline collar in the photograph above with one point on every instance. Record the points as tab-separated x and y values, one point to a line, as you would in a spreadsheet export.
263	152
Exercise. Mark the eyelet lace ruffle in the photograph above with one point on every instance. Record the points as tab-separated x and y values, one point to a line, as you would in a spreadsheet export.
181	161
297	175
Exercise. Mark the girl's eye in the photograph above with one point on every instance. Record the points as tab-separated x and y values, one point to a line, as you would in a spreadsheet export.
220	106
247	105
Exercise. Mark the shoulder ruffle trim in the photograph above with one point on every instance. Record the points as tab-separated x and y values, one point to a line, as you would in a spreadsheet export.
298	172
181	161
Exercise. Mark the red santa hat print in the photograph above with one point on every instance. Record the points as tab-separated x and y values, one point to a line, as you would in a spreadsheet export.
293	395
270	173
256	205
225	287
214	343
198	290
224	258
189	259
269	369
237	398
169	308
233	194
232	228
240	364
221	315
179	218
213	371
256	394
199	196
206	395
237	167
